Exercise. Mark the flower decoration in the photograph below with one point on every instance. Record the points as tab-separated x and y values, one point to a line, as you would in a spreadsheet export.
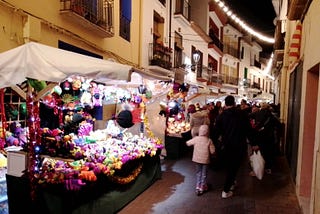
104	157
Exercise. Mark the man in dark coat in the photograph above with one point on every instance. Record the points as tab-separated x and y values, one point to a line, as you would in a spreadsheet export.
266	126
233	127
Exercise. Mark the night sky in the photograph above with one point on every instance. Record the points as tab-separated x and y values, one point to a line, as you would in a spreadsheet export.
258	14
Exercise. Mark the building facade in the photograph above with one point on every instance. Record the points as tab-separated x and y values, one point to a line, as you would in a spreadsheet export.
97	28
297	65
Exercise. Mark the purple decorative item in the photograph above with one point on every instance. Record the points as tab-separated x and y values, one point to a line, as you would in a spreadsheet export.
176	87
85	129
137	99
74	184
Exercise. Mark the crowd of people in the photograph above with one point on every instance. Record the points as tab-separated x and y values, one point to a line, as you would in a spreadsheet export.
228	134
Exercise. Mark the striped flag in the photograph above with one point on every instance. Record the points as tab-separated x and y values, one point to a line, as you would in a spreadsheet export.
294	48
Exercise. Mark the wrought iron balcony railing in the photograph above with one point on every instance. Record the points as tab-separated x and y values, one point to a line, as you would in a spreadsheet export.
228	49
255	85
215	41
160	55
98	13
256	63
183	8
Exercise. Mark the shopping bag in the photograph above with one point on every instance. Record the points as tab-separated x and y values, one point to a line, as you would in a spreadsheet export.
257	164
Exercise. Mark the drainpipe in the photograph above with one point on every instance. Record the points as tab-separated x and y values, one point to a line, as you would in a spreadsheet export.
170	20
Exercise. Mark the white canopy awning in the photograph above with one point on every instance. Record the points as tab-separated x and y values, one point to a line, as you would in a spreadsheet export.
41	62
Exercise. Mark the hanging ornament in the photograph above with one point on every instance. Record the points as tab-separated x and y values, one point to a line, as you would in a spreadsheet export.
176	87
57	89
137	99
76	84
66	85
37	84
142	89
148	94
184	87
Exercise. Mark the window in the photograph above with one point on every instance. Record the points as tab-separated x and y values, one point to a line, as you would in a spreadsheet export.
230	75
213	63
245	75
242	52
125	19
177	50
15	106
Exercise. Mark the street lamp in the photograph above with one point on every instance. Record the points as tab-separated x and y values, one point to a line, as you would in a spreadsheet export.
196	57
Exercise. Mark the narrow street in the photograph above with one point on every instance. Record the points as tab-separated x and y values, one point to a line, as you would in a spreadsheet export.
175	192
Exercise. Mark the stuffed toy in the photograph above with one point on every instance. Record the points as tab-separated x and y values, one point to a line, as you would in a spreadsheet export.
74	184
76	84
87	175
11	140
86	99
97	95
3	161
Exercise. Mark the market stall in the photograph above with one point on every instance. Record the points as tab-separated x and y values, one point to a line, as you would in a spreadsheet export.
72	159
177	130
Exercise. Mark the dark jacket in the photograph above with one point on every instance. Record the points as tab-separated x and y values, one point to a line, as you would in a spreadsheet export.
265	126
233	126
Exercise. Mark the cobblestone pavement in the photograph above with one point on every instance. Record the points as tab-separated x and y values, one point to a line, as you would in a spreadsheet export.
174	193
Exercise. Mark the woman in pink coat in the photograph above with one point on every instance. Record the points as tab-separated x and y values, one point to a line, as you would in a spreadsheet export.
202	149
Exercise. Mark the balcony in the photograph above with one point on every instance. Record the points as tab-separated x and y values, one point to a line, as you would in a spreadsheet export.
228	49
95	16
296	9
215	42
245	83
255	85
215	80
160	55
256	64
183	10
203	73
226	79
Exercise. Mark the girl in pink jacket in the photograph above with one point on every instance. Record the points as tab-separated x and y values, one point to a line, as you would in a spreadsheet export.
203	148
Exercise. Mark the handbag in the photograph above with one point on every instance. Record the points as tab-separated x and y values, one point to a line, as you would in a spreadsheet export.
257	164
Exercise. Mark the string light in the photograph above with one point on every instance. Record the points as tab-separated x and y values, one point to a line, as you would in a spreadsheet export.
242	24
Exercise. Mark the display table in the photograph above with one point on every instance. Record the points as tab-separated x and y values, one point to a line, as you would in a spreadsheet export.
176	145
102	197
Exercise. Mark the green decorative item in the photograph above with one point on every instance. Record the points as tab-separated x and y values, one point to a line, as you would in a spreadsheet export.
148	94
23	109
67	98
57	89
37	84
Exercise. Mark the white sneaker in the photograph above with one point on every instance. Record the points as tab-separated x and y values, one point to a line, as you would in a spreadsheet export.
226	194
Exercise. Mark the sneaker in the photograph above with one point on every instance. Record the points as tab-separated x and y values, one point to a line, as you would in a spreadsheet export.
199	192
226	194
